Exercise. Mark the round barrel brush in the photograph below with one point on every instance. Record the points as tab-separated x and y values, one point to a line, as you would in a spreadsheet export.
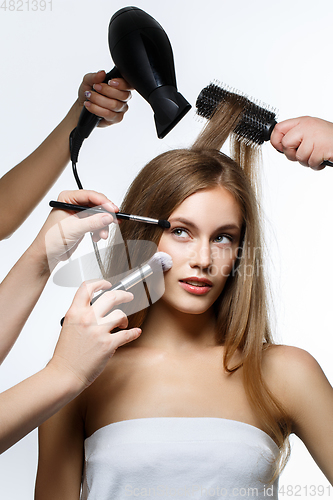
256	122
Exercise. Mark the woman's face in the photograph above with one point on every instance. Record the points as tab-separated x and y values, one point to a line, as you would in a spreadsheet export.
203	241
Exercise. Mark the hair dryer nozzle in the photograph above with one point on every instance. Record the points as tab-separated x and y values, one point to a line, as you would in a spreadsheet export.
169	107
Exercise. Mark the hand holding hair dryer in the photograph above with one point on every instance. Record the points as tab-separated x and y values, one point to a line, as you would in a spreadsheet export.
143	56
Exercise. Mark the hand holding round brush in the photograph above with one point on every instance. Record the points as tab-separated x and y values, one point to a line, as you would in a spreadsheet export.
306	140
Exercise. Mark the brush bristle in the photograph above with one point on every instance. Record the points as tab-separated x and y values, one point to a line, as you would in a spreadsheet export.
211	96
162	259
164	223
257	120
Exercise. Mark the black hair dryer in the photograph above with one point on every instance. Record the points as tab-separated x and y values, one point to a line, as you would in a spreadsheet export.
142	54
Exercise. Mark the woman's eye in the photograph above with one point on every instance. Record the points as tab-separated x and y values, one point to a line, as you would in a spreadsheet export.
223	238
180	233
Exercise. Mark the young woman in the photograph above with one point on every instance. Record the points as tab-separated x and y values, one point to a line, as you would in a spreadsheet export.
203	402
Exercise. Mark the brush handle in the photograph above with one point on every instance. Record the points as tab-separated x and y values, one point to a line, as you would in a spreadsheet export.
98	210
126	283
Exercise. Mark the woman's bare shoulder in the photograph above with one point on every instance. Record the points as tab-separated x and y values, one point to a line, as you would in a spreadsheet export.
285	355
286	364
291	372
299	383
286	361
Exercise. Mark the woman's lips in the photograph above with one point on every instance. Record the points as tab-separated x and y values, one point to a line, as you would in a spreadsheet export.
197	286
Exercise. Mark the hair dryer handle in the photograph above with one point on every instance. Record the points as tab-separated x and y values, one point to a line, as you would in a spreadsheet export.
87	122
114	73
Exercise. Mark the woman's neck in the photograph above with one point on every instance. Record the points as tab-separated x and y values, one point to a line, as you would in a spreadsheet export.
167	328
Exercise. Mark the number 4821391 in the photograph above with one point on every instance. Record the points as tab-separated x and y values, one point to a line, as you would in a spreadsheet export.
27	5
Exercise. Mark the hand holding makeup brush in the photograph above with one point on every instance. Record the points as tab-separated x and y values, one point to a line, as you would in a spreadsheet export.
85	344
84	347
63	230
305	139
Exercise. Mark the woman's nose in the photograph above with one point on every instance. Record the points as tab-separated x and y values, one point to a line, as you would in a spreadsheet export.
201	255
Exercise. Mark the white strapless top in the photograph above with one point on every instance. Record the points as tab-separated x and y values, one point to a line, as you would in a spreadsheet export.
177	458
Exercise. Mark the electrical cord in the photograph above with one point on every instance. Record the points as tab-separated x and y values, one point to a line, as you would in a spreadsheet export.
96	250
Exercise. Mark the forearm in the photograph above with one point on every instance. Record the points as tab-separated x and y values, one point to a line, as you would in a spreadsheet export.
56	241
19	292
23	187
28	404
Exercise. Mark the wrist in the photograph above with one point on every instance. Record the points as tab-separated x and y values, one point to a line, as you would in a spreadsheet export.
74	113
71	385
44	250
38	258
37	261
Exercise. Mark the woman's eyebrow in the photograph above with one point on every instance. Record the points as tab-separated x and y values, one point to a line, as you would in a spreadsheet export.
223	227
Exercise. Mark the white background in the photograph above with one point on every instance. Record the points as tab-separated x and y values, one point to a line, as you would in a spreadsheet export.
279	52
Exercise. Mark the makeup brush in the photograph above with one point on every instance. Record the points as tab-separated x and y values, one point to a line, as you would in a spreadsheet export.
160	260
97	210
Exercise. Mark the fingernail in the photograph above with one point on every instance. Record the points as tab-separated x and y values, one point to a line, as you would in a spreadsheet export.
104	233
87	104
97	87
113	83
107	219
87	94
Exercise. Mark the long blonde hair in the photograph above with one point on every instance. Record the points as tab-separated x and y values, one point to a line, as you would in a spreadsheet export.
241	310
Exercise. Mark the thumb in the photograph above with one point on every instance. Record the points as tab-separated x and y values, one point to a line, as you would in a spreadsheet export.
99	77
90	78
87	83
